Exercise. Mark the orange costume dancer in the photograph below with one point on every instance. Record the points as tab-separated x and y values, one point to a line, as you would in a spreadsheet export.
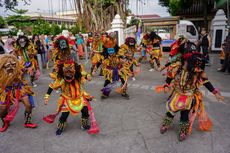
60	53
114	68
186	97
26	52
14	89
73	98
127	52
96	53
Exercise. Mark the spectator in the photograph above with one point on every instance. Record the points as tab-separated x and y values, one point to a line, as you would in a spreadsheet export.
80	47
37	44
226	49
49	51
2	50
205	44
44	49
9	45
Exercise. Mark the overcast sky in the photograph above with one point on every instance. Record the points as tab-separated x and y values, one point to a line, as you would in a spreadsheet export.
144	7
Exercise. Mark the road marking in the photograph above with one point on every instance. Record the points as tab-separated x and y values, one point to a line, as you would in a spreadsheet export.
148	87
145	87
135	85
152	88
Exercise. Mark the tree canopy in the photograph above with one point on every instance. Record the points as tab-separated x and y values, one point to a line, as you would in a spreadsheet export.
176	5
2	22
11	4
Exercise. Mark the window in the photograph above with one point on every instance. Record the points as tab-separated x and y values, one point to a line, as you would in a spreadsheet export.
191	30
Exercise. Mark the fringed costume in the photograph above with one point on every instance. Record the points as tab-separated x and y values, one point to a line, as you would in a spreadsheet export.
154	50
186	97
14	89
26	53
73	98
96	53
114	68
126	52
60	53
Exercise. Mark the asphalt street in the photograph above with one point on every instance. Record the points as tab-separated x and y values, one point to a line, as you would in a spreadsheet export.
127	126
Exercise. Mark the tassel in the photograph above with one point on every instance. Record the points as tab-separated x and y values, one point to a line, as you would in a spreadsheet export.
50	118
120	90
10	116
5	127
159	89
192	118
94	128
205	124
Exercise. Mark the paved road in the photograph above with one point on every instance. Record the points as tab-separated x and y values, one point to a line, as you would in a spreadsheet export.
127	126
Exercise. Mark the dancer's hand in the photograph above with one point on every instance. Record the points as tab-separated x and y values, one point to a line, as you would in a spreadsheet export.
161	68
219	97
46	99
89	77
166	89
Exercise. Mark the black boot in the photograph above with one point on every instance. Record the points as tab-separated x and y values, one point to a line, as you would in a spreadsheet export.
167	121
183	133
2	118
60	127
28	123
85	123
124	94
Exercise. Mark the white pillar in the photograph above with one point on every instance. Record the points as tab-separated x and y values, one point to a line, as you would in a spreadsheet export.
219	24
118	26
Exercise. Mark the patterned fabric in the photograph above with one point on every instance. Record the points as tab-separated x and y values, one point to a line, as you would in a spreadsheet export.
72	96
114	63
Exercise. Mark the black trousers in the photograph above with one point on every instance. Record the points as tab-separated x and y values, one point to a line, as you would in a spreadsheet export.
226	65
184	115
205	53
84	114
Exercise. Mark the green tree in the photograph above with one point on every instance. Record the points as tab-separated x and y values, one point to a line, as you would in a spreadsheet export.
20	22
133	21
74	29
55	29
46	28
63	27
175	6
19	11
2	22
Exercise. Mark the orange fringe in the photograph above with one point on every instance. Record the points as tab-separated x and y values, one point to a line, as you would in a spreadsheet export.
159	89
204	122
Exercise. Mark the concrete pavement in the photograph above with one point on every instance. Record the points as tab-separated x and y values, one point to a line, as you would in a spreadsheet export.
127	126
